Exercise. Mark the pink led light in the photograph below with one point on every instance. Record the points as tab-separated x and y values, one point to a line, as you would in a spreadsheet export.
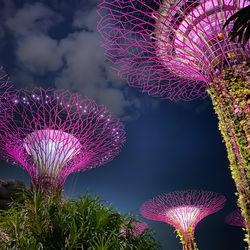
183	209
170	49
51	135
235	218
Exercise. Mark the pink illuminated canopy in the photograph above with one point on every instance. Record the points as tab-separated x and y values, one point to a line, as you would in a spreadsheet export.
183	209
170	49
54	133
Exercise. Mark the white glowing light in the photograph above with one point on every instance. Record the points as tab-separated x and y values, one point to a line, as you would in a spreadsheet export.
51	149
184	217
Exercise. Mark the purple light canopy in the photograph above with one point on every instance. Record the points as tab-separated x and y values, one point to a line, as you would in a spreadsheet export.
171	49
54	133
183	210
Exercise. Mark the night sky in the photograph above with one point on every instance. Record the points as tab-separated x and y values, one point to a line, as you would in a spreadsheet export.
170	145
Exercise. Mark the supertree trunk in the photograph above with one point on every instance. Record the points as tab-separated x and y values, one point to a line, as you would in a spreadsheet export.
190	245
230	97
43	184
187	239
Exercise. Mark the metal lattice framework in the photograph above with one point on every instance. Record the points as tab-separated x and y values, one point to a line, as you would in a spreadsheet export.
183	210
170	48
235	218
54	133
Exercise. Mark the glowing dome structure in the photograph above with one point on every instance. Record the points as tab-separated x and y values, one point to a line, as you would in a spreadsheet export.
236	219
54	133
179	50
183	210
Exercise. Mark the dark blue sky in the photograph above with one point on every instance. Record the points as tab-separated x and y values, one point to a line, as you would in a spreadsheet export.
170	146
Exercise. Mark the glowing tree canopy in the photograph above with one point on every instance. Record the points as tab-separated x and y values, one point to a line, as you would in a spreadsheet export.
236	219
183	210
170	48
54	133
139	227
179	50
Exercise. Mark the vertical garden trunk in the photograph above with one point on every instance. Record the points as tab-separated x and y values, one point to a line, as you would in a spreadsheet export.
189	244
230	97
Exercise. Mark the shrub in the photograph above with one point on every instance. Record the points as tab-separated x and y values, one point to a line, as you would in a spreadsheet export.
43	221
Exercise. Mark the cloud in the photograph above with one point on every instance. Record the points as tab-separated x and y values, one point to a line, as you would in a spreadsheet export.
7	9
23	78
86	19
1	33
87	72
35	18
75	62
39	53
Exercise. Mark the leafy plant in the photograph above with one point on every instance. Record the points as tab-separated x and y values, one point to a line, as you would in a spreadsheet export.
41	221
241	27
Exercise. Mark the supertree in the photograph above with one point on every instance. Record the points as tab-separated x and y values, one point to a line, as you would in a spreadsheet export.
179	50
235	218
183	210
138	228
54	133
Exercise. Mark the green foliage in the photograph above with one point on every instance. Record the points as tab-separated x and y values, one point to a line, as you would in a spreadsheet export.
231	100
42	221
241	27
